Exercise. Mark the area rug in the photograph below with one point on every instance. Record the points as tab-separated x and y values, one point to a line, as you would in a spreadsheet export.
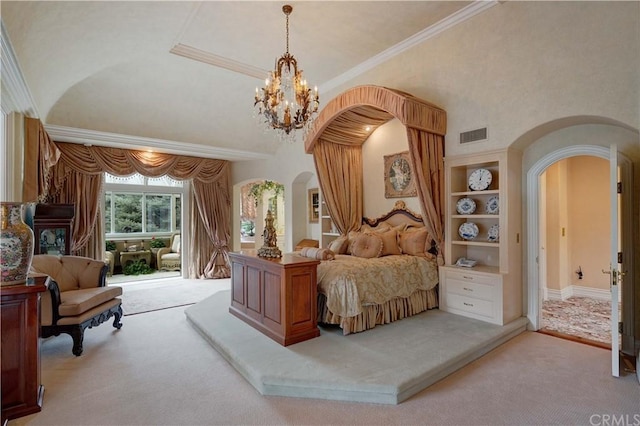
154	295
581	317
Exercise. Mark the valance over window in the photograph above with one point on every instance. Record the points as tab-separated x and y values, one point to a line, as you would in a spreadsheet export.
77	177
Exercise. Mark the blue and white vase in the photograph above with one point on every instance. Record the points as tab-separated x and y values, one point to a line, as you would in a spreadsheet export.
16	245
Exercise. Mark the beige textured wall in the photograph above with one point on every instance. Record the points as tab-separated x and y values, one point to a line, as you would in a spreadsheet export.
589	235
577	199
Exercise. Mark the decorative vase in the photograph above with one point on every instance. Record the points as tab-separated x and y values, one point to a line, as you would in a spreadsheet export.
16	245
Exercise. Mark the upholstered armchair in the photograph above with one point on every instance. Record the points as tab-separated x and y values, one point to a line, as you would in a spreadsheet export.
169	257
78	297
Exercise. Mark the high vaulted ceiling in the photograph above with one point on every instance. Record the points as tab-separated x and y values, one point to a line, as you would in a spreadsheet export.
183	74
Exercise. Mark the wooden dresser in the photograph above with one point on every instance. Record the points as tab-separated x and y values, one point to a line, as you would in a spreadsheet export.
22	391
278	297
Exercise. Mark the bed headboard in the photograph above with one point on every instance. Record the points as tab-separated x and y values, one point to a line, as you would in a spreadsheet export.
401	214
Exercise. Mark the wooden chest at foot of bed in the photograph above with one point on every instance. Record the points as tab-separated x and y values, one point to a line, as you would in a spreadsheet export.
275	296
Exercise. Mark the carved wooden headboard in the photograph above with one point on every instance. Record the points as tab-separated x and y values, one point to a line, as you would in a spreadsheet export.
399	214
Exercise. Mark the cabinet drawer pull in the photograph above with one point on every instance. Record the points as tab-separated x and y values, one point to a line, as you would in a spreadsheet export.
467	289
467	304
467	277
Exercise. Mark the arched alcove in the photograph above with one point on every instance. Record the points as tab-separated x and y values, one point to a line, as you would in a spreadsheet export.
336	143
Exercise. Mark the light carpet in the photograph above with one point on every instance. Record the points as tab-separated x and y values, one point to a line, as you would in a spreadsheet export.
167	293
387	364
157	370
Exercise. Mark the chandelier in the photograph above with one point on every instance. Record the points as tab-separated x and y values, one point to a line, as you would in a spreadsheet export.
286	102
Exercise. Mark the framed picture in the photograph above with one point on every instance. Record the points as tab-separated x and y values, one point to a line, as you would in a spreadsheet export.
399	180
314	205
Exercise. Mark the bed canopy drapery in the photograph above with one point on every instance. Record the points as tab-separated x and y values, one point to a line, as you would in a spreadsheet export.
336	144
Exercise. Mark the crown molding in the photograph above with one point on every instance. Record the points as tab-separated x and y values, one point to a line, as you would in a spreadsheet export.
217	60
15	92
468	12
116	140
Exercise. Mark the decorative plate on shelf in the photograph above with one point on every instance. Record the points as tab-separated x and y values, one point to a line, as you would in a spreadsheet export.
468	230
493	205
494	233
480	179
465	206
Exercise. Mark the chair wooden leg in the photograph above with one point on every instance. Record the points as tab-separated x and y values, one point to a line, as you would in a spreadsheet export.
77	334
117	314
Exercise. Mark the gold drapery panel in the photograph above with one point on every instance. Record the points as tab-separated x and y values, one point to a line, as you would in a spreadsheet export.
426	151
342	122
339	170
40	154
210	236
78	178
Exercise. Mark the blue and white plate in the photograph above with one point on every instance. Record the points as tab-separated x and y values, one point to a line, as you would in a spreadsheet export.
465	206
493	205
468	230
494	233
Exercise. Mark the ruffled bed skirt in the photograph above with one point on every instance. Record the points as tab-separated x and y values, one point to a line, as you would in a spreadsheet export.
373	315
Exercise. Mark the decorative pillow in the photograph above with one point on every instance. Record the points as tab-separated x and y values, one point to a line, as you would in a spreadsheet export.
339	245
350	238
389	242
317	253
414	241
380	228
367	246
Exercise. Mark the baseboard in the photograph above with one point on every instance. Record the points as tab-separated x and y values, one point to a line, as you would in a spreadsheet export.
577	291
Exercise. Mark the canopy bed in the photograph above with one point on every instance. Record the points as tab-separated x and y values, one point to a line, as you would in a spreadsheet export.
336	141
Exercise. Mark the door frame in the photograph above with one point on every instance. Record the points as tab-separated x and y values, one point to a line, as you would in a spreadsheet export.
533	291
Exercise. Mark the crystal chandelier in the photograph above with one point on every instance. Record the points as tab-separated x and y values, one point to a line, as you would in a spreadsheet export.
286	102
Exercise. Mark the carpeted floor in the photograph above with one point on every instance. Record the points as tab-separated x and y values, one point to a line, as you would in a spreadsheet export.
362	367
157	370
582	317
167	293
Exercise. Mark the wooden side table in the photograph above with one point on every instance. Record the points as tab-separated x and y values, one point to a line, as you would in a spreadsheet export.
127	257
278	297
22	392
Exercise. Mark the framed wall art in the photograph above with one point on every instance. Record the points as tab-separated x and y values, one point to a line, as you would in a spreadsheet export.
399	180
314	205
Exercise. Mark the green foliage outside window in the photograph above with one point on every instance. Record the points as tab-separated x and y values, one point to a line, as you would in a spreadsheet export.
137	267
156	243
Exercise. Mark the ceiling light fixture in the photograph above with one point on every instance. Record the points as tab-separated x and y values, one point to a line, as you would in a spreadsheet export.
286	103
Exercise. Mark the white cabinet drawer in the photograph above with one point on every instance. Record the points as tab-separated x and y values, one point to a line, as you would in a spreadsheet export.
471	289
483	308
472	277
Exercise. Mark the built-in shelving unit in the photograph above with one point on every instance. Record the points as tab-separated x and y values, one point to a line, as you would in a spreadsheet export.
327	228
491	290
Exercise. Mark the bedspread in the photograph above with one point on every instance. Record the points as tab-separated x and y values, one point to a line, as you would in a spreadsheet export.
351	282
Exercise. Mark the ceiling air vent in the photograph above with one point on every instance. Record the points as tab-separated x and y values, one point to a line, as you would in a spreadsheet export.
473	135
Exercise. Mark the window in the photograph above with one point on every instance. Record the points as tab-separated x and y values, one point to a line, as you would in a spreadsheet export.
139	205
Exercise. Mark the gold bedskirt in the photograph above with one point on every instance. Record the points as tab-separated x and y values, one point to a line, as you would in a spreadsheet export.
372	315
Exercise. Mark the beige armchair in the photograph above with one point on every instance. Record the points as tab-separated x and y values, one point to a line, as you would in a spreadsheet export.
169	257
78	297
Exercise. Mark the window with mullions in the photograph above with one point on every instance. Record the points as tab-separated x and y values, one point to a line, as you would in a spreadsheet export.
135	204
